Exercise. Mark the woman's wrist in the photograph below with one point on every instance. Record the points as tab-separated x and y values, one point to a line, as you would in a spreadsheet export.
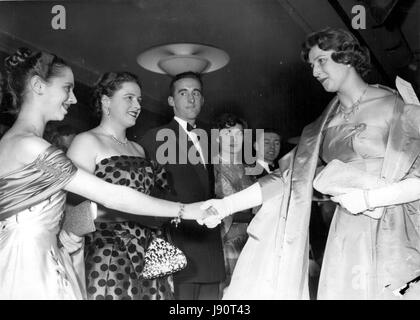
180	215
228	206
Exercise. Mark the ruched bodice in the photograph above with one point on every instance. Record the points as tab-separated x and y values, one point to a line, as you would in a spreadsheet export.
32	265
350	142
35	182
363	146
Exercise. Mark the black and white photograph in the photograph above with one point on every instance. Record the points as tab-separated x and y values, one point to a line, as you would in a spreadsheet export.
219	150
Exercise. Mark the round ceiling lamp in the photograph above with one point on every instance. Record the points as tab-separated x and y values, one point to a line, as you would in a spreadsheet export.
177	58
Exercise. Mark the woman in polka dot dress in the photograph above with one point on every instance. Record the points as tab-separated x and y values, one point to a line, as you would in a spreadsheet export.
114	253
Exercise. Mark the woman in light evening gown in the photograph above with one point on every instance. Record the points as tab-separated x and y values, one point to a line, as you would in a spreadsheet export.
368	128
115	251
34	177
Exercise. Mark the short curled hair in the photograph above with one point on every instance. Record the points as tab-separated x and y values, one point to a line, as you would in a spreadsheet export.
228	120
108	84
347	49
23	65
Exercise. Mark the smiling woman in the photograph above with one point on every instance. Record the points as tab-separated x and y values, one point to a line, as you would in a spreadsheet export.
106	152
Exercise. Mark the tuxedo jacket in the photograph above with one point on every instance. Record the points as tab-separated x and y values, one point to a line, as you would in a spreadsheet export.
190	183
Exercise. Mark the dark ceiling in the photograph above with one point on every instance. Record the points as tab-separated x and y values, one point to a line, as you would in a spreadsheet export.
265	81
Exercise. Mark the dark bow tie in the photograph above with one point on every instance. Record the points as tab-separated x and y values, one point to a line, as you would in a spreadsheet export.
190	127
272	167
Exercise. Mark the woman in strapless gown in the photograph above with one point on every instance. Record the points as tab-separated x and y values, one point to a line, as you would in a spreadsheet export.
115	251
32	264
366	256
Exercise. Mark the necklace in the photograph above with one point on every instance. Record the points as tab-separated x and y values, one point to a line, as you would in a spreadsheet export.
118	141
115	138
353	108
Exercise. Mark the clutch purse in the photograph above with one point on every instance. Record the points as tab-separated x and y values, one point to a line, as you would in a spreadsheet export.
161	259
340	178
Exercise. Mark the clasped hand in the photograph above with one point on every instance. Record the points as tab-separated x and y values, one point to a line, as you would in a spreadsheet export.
209	213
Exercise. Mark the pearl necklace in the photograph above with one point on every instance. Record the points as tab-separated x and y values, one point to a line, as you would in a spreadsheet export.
115	139
118	141
353	108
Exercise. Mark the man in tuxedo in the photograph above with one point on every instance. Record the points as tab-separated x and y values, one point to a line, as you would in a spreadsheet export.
191	181
267	147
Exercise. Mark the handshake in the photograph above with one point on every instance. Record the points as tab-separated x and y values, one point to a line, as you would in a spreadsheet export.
209	213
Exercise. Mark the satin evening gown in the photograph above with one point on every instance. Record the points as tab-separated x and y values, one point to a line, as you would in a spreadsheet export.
350	269
32	264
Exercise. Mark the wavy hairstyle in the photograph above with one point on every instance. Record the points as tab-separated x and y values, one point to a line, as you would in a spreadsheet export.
108	84
23	65
228	120
347	49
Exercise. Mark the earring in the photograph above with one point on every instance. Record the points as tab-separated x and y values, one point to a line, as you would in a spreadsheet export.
349	65
108	112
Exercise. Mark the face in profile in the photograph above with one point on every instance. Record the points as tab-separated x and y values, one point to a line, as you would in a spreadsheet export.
330	74
59	94
231	139
124	106
271	143
187	98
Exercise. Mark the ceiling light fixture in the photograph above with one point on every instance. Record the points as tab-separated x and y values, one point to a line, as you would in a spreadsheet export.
176	58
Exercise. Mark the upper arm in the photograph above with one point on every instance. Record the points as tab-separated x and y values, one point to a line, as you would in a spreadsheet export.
83	151
90	187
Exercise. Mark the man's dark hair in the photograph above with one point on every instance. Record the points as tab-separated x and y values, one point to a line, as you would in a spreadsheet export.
188	74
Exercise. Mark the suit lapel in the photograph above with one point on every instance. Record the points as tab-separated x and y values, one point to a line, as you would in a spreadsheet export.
185	145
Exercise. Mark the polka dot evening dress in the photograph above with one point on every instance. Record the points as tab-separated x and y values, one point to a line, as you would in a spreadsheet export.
115	251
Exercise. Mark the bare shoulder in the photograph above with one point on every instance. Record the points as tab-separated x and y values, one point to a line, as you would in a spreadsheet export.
19	150
86	141
88	138
139	149
29	147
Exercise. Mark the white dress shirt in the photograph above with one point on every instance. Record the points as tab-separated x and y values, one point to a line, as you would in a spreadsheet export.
193	136
264	164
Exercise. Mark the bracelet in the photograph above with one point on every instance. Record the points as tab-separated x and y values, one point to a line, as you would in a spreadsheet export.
366	196
177	220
